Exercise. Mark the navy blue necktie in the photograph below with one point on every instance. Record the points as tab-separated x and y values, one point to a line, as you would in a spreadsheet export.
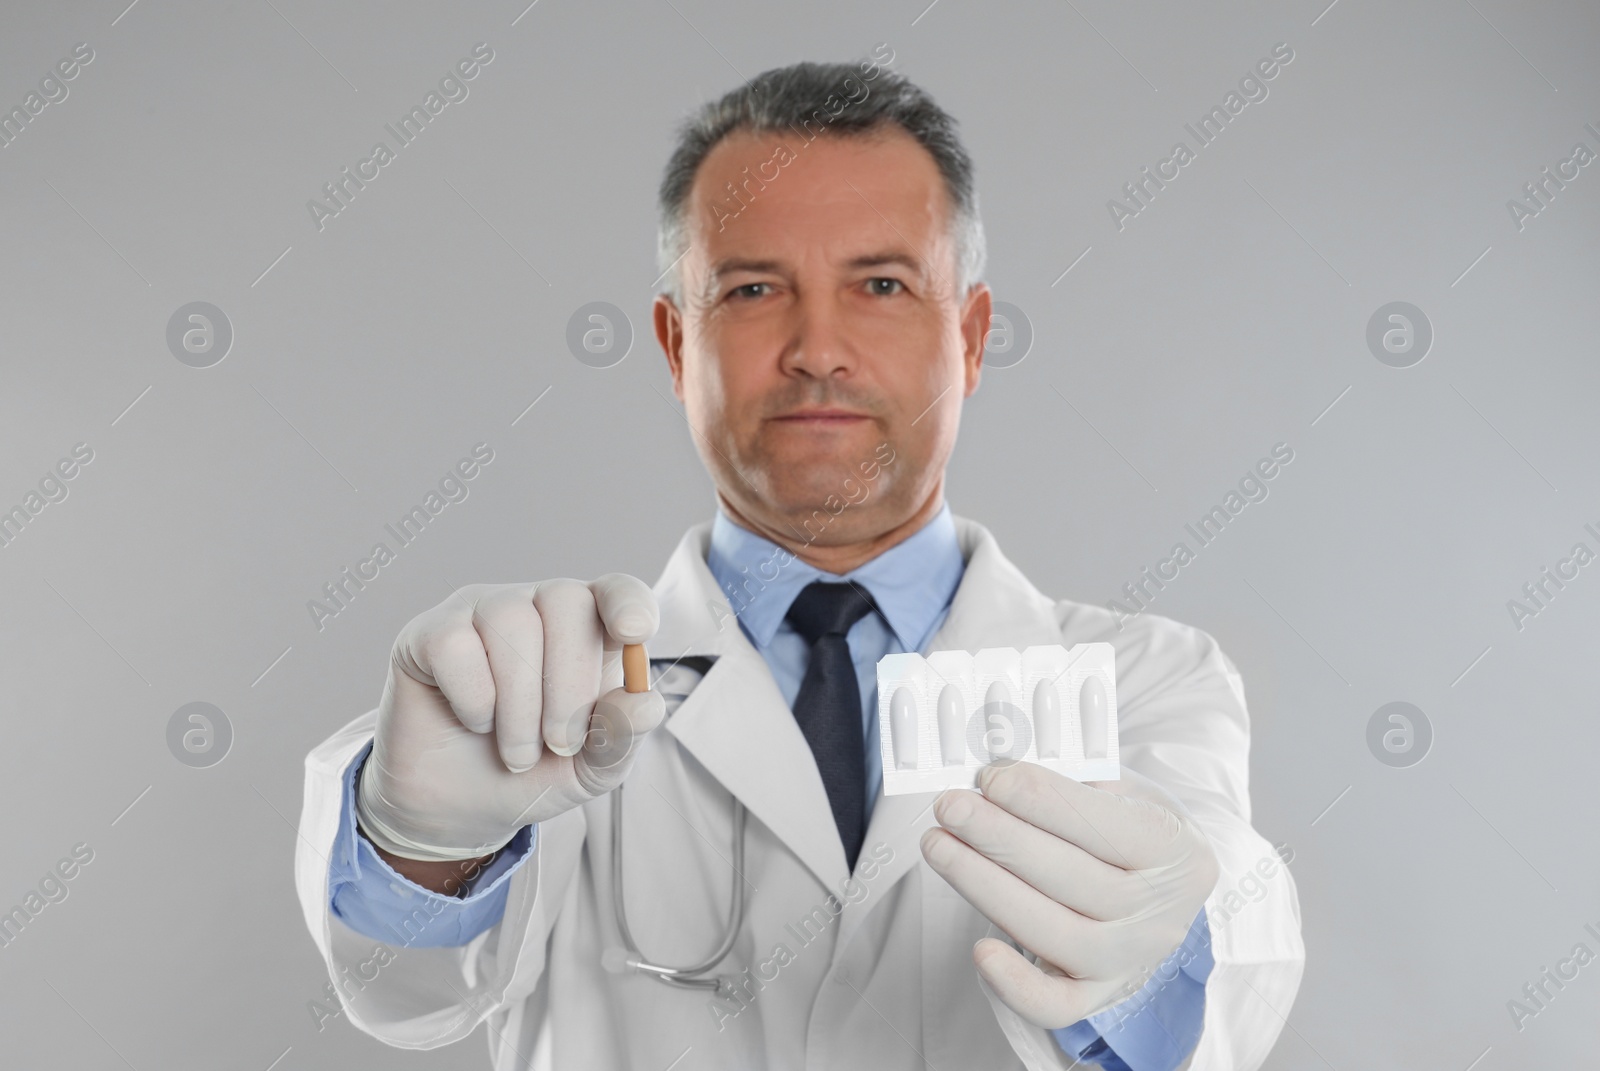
828	705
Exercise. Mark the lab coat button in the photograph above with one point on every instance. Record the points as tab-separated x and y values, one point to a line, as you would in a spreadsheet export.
400	890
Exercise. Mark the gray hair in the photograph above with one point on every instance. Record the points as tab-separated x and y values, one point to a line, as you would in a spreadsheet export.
799	98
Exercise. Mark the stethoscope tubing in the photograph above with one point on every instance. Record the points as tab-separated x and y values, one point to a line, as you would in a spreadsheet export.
683	977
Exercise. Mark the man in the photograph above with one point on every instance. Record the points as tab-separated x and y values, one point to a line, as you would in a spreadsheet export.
459	859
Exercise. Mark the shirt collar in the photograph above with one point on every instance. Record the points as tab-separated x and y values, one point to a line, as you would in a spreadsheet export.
912	582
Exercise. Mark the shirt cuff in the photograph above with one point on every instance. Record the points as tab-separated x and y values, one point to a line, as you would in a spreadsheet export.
1158	1027
375	900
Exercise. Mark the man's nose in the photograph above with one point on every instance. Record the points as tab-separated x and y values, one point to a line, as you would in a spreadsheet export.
821	345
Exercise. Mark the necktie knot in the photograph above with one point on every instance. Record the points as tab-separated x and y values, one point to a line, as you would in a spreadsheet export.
828	609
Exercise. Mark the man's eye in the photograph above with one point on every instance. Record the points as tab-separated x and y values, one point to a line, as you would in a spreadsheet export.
884	287
748	290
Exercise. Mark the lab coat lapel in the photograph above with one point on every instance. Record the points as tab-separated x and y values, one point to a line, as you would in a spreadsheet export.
994	606
735	722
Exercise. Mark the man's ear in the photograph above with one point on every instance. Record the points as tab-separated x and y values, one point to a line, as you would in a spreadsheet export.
669	333
975	319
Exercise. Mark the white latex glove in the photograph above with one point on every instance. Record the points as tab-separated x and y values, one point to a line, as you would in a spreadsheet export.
493	717
1099	879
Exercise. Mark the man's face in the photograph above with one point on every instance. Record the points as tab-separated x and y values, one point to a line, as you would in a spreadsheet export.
821	333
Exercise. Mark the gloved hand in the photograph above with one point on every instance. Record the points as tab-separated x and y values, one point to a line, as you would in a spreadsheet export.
1100	880
493	716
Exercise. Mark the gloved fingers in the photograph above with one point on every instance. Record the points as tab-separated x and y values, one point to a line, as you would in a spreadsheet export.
619	724
442	649
513	639
1058	868
1112	820
573	648
417	701
1047	999
1080	946
628	609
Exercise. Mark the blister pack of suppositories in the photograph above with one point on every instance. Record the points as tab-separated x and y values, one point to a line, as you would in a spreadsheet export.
943	717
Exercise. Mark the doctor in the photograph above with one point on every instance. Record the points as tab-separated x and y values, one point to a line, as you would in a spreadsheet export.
459	860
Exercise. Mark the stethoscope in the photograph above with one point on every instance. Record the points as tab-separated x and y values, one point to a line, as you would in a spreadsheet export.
618	959
696	976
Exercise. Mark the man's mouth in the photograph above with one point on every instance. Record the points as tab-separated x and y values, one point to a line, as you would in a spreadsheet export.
821	417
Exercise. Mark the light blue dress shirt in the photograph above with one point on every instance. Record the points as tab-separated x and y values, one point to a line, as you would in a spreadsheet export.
912	584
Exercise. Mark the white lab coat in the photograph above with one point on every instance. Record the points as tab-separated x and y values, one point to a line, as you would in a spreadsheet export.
888	984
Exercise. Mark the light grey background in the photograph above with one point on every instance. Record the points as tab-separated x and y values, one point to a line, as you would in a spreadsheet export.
1227	317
